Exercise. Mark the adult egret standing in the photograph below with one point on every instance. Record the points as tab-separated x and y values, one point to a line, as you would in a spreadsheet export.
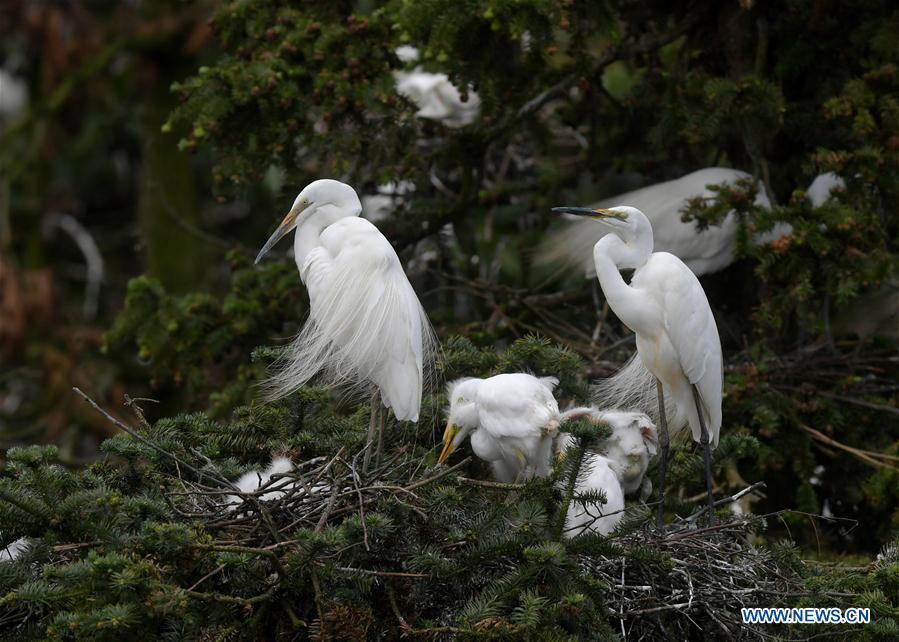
365	321
512	420
677	338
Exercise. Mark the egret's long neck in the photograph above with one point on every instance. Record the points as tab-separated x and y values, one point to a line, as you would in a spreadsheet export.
610	255
308	233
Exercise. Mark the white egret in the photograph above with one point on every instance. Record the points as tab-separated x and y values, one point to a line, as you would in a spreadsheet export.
617	471
633	442
512	419
821	188
365	322
13	96
436	97
255	479
677	338
704	251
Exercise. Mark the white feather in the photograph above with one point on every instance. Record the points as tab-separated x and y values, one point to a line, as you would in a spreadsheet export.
706	251
13	550
512	419
436	97
618	471
365	321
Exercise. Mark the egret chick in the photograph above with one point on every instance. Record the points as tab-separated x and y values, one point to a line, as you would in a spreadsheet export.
512	419
677	338
619	470
365	322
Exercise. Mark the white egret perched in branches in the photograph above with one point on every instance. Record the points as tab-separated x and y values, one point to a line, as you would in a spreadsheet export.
512	420
365	321
703	250
677	338
436	97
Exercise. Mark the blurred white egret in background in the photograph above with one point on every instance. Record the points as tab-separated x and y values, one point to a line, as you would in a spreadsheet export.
13	96
436	97
378	207
512	420
619	470
704	251
820	190
365	322
677	338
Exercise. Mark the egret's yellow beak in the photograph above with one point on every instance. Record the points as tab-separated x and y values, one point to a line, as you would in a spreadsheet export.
289	222
449	435
590	213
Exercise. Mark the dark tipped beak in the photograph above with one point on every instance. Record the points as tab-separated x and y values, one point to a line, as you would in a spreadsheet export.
286	226
586	211
577	211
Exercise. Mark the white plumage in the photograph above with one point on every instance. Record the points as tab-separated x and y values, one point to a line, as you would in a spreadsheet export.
13	550
255	479
512	419
436	97
365	321
677	338
703	251
820	190
13	96
619	470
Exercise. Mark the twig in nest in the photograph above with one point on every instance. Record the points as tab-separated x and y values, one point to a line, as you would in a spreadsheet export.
726	500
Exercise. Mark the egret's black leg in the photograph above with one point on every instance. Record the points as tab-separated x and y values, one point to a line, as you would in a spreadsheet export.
663	458
382	425
372	425
706	455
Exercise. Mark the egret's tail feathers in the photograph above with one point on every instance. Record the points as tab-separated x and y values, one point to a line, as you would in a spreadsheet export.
634	388
365	326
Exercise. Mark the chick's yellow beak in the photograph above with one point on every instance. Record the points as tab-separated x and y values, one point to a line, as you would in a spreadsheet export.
449	434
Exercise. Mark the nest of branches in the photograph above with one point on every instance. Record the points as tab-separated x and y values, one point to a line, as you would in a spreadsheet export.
672	585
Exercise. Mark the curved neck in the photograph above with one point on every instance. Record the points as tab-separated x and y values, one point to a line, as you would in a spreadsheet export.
611	254
309	229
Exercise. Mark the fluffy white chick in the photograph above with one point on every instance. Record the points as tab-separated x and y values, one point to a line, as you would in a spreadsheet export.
253	480
619	471
512	420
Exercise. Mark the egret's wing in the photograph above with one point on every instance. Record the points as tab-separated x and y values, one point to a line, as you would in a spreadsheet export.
693	332
515	405
365	321
571	248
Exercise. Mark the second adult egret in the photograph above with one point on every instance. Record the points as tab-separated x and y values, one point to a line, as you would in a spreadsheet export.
512	420
365	322
677	338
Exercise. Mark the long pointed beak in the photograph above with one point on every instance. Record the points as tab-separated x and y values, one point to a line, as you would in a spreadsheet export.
289	222
586	211
448	436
